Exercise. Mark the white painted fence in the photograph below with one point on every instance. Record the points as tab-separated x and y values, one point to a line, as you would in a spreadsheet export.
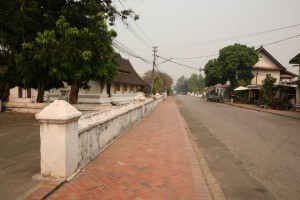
69	140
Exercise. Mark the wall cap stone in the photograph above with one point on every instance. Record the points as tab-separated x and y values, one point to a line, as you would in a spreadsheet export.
57	111
139	97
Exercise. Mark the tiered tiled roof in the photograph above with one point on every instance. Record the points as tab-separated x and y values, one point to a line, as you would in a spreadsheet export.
127	74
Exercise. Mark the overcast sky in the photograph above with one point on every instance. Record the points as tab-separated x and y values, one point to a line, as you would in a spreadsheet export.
200	28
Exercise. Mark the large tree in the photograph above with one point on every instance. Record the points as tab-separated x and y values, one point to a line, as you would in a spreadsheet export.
182	85
77	55
161	80
43	38
196	83
213	73
17	25
236	62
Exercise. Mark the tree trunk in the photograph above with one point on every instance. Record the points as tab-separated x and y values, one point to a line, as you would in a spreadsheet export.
73	99
4	91
41	91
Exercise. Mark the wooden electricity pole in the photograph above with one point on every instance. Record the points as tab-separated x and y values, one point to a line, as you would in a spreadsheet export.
152	77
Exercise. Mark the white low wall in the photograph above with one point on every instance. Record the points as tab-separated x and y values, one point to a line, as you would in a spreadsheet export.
92	133
97	130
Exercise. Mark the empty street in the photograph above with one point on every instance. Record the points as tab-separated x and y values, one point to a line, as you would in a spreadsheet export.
252	155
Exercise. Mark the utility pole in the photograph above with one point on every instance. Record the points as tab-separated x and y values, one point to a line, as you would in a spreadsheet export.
152	77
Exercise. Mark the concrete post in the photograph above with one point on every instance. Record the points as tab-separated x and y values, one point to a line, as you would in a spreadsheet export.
59	139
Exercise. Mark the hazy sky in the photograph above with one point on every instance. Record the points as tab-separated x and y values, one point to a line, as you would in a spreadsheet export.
200	28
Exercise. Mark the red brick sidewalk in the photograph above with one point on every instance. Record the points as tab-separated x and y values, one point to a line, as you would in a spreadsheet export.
153	160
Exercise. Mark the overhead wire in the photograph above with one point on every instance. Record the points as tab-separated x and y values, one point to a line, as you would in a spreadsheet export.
146	36
167	59
226	39
129	52
281	40
178	58
200	69
124	49
214	55
127	26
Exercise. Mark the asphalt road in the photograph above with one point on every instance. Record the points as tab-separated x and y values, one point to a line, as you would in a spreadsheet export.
252	155
19	154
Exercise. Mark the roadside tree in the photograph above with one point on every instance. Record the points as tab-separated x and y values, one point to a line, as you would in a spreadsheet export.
81	47
161	81
267	89
196	83
182	85
213	73
236	63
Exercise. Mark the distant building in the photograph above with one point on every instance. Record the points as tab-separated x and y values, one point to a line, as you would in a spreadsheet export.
269	66
296	60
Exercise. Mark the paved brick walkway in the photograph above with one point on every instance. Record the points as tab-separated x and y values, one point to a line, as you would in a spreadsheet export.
153	160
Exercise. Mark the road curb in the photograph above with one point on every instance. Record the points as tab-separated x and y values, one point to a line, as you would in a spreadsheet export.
215	190
262	110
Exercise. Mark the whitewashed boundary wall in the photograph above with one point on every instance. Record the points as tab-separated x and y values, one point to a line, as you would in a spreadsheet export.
70	140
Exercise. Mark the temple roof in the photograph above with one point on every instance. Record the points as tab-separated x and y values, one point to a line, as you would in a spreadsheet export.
127	74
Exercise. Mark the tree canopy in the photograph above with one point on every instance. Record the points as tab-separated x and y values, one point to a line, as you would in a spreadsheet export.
234	63
213	73
48	42
182	85
267	88
161	81
193	84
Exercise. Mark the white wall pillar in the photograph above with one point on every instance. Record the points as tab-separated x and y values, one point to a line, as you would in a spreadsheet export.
59	139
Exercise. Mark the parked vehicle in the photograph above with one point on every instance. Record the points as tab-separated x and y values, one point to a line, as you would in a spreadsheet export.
214	97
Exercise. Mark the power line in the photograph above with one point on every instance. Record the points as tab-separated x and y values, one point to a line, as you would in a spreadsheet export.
197	57
128	27
214	55
137	24
281	40
227	38
177	58
127	51
178	63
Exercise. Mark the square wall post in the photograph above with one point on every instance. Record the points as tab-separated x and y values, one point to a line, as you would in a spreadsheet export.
59	139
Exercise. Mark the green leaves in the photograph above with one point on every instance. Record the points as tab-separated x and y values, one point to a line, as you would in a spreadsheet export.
234	63
194	84
57	40
86	55
213	72
267	88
